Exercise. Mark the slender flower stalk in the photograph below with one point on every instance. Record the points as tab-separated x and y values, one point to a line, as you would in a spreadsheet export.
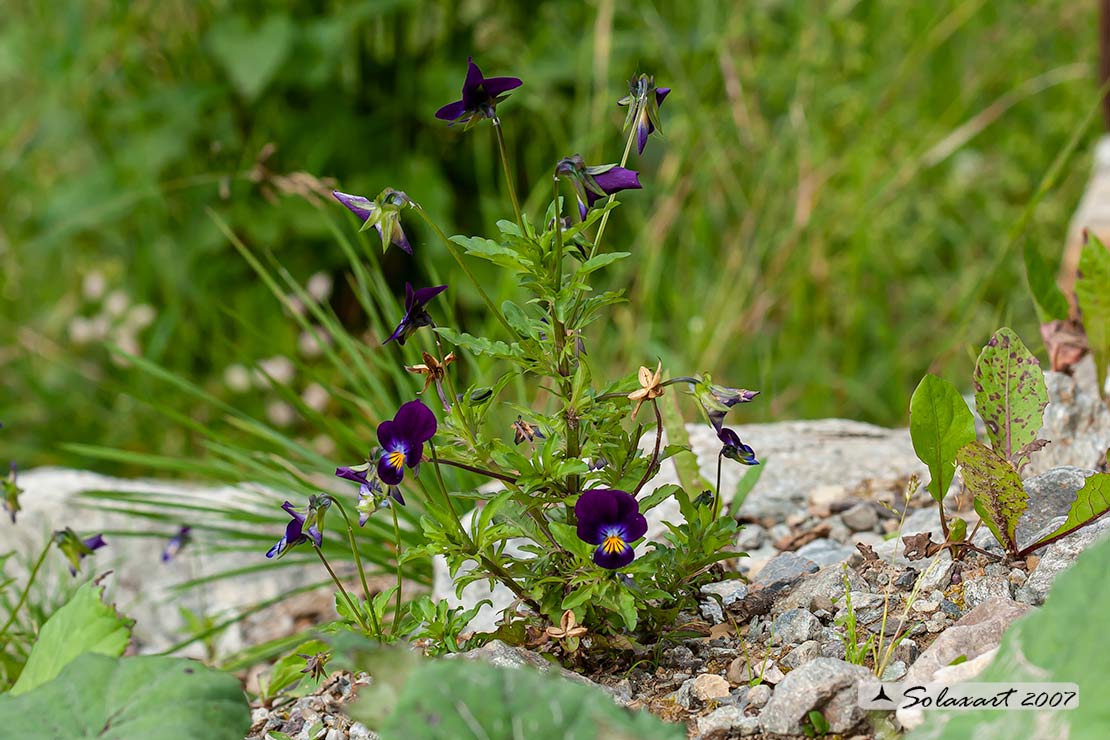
605	216
26	589
397	557
346	596
655	453
508	172
358	563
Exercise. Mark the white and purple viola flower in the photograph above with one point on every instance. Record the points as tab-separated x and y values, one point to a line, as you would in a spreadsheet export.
480	96
302	527
76	549
734	449
383	214
610	519
371	496
415	315
177	543
643	101
593	183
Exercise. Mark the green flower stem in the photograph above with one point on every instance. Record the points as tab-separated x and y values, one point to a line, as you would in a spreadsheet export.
494	568
347	597
473	469
655	453
397	538
358	563
717	490
454	250
605	217
508	171
27	588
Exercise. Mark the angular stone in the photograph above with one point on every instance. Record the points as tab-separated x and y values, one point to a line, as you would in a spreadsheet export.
709	686
826	552
750	537
759	695
820	590
740	671
978	590
1051	494
794	626
826	685
802	654
1058	556
785	568
895	671
977	632
1076	421
729	591
721	722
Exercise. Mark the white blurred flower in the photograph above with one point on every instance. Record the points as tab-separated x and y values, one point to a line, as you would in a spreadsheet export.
280	413
81	330
99	326
319	286
279	368
296	305
127	342
140	317
116	303
237	378
324	445
315	397
94	285
312	345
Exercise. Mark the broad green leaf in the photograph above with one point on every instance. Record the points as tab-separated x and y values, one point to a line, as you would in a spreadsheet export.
139	698
600	261
1000	498
1010	394
940	424
1048	299
490	250
85	624
1060	642
1092	290
479	345
1091	502
251	56
464	699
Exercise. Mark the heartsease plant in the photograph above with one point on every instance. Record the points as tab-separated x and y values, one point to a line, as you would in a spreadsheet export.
1010	396
560	498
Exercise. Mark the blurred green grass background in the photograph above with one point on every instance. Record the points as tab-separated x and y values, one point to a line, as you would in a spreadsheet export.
824	219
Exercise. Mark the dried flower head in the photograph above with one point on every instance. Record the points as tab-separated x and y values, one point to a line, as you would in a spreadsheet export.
649	387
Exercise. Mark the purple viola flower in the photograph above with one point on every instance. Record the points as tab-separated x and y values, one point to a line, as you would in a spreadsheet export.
415	315
718	399
302	527
76	549
593	183
177	543
643	101
610	519
734	449
480	96
11	492
402	440
370	494
383	214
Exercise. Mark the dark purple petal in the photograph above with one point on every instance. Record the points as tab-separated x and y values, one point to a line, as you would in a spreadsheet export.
424	295
418	422
358	476
473	77
292	511
643	131
356	204
391	435
660	94
582	209
617	179
495	86
612	561
729	437
398	239
414	454
176	543
316	535
395	492
451	111
596	509
278	548
399	332
389	475
95	542
633	522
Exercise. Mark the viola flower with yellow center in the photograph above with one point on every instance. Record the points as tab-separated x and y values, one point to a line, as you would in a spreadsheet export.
610	519
402	440
649	387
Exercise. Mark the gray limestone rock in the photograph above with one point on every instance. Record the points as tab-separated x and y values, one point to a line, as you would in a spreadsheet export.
826	685
978	590
1058	556
794	627
1076	422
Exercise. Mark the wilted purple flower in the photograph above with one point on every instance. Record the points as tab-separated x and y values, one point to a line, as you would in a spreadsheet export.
643	99
11	493
734	449
480	96
75	549
402	440
415	315
370	495
303	526
177	543
383	214
610	519
717	399
592	183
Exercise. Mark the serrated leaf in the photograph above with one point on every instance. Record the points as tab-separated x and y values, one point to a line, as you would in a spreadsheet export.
1092	291
1048	299
658	496
1010	393
85	624
479	345
491	251
940	424
999	497
600	261
1091	502
451	699
138	698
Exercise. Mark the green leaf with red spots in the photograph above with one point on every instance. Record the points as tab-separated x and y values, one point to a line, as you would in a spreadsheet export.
999	497
1010	395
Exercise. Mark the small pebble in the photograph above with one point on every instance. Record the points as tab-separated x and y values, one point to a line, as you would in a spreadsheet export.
710	686
759	695
895	671
925	607
860	518
950	609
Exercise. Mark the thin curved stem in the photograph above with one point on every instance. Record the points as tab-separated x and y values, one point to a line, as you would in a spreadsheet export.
358	564
508	172
27	588
473	469
346	596
655	454
397	539
717	490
